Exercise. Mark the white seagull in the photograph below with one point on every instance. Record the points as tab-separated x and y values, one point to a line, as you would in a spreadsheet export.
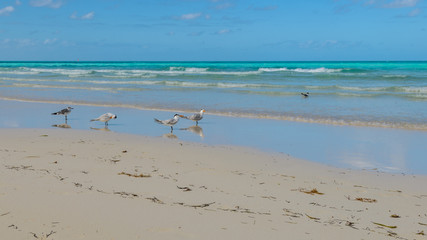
64	112
169	122
197	116
105	118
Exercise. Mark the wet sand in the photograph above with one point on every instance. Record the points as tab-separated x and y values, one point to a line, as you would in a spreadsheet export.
82	184
370	148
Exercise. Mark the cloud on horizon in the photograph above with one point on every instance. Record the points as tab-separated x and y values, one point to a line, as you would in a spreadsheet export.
87	16
400	4
415	12
265	8
224	6
6	10
223	31
50	41
46	3
344	6
190	16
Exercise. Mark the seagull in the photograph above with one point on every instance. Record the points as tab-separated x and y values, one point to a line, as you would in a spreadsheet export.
64	112
105	118
169	122
197	116
305	94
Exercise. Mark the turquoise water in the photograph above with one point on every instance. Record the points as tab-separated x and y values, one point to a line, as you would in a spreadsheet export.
379	94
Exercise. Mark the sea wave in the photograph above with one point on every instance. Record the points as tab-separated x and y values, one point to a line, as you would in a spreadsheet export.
188	69
25	85
125	73
419	92
68	72
171	71
301	70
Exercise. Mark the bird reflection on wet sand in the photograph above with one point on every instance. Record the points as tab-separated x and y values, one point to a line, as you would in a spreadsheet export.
170	136
195	129
102	129
64	125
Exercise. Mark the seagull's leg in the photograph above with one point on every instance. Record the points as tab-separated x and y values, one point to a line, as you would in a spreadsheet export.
171	129
197	123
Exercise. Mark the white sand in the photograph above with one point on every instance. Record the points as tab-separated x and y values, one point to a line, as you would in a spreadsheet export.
71	184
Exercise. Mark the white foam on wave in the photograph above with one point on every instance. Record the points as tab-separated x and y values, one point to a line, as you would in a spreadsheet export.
317	70
69	72
18	72
126	73
273	69
300	70
364	89
394	76
188	69
422	90
62	87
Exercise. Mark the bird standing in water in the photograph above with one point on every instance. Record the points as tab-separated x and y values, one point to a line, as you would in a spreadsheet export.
64	112
105	118
197	116
305	94
169	122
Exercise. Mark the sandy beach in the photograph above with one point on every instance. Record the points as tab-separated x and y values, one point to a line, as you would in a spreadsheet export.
77	184
213	120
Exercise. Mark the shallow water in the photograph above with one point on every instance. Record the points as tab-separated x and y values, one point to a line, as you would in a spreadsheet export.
381	94
385	149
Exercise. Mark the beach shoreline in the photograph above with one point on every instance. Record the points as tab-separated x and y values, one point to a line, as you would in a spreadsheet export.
82	184
382	149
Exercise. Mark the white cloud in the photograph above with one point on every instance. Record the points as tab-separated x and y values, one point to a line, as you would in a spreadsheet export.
87	16
18	2
392	3
414	12
224	6
49	41
6	10
401	3
223	31
265	8
190	16
46	3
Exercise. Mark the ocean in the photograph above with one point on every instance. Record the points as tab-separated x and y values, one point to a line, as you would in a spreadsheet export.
362	115
378	94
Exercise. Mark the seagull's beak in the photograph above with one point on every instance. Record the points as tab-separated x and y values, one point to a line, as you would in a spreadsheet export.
181	116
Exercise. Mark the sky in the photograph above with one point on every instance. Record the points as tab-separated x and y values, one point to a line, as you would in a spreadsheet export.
213	30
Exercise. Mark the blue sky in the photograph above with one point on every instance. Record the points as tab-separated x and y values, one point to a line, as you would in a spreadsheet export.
213	30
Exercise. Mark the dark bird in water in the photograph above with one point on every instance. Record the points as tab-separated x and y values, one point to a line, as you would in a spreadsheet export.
169	122
196	117
305	94
64	112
